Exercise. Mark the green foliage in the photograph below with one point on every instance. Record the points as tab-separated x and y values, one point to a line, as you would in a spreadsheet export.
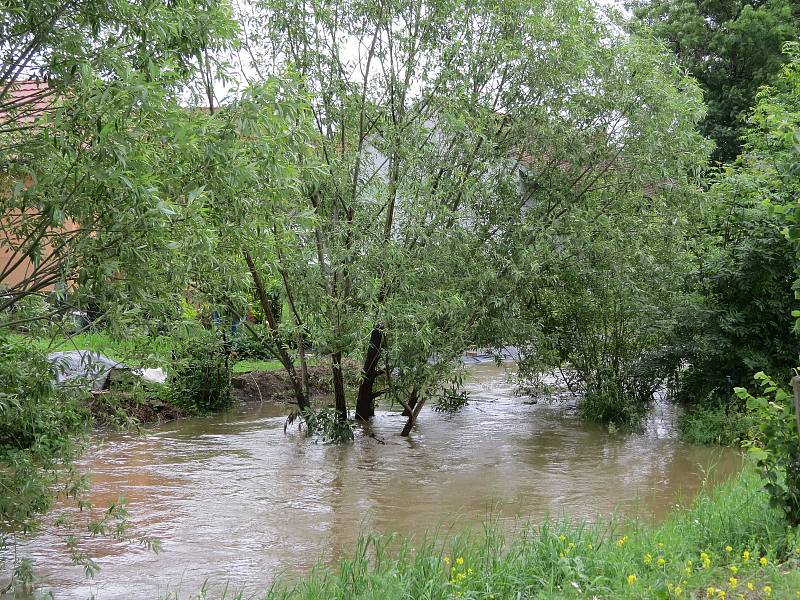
775	444
739	318
41	433
733	48
451	399
438	177
712	422
251	342
774	156
611	407
95	192
200	373
326	423
606	301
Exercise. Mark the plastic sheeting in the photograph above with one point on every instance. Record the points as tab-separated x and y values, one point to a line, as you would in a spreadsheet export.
95	369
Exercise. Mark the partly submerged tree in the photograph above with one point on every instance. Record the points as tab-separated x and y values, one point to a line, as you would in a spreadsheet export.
453	141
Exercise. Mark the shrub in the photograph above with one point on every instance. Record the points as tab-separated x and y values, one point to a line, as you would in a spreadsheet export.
251	342
775	445
324	422
41	429
200	375
611	407
715	423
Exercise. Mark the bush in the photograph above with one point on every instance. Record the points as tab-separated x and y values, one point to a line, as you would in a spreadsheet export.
775	445
742	321
611	407
715	423
200	375
251	342
41	429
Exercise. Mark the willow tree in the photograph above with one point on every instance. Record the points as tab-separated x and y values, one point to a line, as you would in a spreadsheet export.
89	94
92	201
451	137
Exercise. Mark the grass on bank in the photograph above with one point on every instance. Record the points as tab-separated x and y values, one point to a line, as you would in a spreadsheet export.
728	545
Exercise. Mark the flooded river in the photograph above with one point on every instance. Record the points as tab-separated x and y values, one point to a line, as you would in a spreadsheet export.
233	498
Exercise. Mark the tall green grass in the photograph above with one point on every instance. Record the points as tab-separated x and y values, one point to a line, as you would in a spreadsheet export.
726	542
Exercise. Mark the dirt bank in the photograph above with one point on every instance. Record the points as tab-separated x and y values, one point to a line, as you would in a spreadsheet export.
274	386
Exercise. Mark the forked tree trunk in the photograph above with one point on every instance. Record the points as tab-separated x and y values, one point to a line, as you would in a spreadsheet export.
412	419
338	386
365	402
413	399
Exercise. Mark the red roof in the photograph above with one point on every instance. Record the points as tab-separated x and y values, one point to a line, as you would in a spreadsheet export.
27	100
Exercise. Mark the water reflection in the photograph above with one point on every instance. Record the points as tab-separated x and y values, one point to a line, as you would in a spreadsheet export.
234	498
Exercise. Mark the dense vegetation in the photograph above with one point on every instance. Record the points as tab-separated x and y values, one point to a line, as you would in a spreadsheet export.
396	183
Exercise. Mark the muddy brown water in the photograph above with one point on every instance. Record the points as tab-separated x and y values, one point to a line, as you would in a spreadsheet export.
234	499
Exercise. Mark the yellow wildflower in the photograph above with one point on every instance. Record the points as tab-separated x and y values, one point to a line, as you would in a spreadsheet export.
721	594
459	561
767	590
562	538
661	562
660	544
750	586
728	549
447	560
470	571
746	555
733	582
763	561
621	541
678	591
631	579
703	556
648	559
734	569
711	591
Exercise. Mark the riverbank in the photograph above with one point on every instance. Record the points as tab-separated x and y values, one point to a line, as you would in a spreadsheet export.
252	379
729	544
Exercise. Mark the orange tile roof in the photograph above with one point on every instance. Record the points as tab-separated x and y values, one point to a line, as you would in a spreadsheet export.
26	100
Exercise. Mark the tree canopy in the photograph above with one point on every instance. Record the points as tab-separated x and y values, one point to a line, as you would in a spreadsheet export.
732	47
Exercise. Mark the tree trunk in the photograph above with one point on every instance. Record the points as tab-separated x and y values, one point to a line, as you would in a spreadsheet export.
338	386
280	346
413	399
412	419
365	402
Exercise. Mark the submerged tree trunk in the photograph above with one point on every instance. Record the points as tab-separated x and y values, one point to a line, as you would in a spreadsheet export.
412	419
338	386
365	402
280	347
